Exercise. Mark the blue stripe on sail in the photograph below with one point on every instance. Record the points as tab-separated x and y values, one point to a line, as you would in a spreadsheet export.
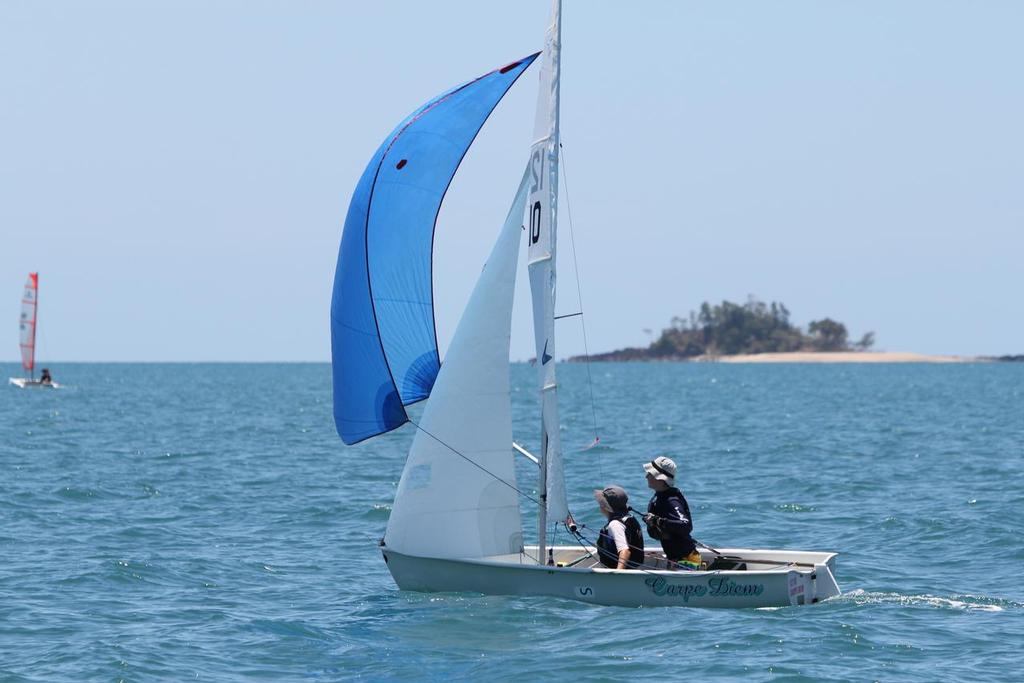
383	340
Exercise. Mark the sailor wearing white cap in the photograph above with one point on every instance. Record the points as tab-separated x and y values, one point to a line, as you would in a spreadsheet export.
668	515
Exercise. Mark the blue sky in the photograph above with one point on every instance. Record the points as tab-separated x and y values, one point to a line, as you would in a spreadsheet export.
179	172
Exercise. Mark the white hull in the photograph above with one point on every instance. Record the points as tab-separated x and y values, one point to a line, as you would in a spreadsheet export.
26	383
773	578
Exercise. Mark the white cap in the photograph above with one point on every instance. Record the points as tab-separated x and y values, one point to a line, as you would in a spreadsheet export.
662	468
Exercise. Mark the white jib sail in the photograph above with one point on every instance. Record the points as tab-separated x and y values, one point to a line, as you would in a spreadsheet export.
456	497
27	323
542	235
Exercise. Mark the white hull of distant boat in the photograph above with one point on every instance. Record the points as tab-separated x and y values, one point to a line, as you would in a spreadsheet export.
772	578
26	383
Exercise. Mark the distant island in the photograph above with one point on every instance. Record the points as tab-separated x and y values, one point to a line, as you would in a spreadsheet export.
760	332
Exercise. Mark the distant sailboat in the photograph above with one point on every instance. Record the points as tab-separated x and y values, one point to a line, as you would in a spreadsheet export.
27	324
455	524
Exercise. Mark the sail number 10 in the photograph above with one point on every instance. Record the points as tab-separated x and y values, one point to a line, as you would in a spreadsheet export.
535	223
537	170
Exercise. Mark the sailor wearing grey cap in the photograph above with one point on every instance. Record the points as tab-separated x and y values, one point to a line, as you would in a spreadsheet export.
621	542
668	515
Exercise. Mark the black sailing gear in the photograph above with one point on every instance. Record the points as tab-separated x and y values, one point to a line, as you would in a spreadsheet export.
671	523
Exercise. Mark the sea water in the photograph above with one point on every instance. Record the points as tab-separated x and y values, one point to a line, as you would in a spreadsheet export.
179	522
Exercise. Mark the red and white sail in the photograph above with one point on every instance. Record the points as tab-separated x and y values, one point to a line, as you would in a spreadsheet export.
29	310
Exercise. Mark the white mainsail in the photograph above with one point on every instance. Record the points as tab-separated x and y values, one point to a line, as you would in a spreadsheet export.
542	235
456	498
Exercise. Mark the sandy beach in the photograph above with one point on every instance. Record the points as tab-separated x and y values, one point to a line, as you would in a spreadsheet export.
839	357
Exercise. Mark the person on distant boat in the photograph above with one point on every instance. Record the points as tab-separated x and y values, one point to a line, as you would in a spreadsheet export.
621	543
668	515
44	377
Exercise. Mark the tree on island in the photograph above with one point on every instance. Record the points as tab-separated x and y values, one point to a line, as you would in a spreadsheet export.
828	335
866	342
729	329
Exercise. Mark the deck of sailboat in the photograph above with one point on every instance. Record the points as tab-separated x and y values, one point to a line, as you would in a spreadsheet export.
752	560
750	577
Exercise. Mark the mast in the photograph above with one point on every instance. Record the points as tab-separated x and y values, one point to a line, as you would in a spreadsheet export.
542	207
35	323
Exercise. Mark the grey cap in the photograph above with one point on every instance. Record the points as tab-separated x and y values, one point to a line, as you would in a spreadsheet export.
614	496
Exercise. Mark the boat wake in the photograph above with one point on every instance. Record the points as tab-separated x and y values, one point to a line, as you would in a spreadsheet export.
377	512
961	602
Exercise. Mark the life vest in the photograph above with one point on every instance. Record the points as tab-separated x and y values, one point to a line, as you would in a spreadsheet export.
609	554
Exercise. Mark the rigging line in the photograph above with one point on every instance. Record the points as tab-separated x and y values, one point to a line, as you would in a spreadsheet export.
476	464
479	466
579	295
40	347
633	511
568	315
653	571
705	545
577	534
641	568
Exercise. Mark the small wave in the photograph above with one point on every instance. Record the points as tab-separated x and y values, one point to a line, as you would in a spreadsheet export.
133	571
963	602
289	629
892	522
185	454
73	493
795	507
150	491
379	511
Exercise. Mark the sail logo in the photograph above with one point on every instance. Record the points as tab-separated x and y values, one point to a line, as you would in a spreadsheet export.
716	586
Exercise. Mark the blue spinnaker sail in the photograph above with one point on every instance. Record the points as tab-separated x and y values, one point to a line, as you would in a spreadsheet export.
383	339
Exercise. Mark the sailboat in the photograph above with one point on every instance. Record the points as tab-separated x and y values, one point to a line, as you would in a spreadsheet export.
27	325
456	521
